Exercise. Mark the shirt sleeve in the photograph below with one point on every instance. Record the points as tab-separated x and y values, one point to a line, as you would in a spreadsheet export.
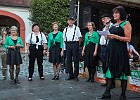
21	42
97	39
64	34
44	39
85	40
61	41
6	43
49	42
79	32
28	38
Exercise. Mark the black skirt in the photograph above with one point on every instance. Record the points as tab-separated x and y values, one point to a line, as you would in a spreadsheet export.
90	60
117	59
54	56
13	57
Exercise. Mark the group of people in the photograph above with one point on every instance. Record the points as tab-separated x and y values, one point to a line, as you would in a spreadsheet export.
113	50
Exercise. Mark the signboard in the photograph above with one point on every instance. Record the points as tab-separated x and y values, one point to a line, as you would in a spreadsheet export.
135	80
100	76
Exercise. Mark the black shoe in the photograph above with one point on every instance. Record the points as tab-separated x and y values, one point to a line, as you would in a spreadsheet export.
76	79
122	97
104	84
17	81
92	80
88	80
57	78
12	81
42	78
54	78
70	78
29	79
106	95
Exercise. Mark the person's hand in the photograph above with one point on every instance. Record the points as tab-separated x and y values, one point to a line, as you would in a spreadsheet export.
18	45
95	53
44	52
61	53
48	54
12	47
83	53
111	36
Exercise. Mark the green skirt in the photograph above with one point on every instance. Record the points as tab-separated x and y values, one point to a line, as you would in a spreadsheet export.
122	77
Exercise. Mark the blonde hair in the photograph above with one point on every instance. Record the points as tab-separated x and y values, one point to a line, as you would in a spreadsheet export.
14	27
55	23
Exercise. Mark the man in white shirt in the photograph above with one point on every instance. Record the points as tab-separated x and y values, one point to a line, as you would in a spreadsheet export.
106	20
72	37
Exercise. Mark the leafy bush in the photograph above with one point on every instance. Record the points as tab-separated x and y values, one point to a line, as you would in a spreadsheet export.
45	12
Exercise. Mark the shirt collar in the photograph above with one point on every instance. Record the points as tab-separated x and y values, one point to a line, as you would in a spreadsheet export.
72	26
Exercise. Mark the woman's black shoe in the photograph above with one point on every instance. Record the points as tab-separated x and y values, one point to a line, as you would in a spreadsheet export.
106	95
88	80
54	78
123	97
92	80
17	81
57	78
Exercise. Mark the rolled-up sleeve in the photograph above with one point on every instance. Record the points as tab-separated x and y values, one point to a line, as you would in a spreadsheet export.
79	32
44	38
28	38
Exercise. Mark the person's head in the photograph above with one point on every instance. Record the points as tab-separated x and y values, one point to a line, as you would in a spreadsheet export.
119	13
55	25
105	18
91	26
71	21
3	32
13	30
35	28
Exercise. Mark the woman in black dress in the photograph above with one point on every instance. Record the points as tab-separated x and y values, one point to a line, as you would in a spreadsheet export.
117	61
90	50
55	49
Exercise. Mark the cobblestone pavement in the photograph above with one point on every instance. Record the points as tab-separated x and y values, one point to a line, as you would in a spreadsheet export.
53	90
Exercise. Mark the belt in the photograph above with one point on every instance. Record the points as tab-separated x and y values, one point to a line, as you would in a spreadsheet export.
72	42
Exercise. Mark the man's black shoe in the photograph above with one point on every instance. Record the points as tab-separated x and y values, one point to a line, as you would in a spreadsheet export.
70	78
76	79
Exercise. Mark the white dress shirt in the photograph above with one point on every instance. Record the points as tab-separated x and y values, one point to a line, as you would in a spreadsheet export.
33	40
70	32
103	41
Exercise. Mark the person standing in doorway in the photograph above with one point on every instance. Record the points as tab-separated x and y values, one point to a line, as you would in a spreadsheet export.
36	48
55	49
72	38
106	20
90	49
13	43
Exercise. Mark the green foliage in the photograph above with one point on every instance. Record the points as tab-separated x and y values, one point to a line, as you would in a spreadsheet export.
45	12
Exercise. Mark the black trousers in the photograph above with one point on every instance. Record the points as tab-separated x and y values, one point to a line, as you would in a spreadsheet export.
33	55
72	54
103	49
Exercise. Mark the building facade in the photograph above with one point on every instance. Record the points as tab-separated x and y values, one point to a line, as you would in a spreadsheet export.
16	12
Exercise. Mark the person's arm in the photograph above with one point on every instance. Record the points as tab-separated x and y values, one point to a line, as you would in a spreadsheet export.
79	35
133	50
96	42
127	32
21	44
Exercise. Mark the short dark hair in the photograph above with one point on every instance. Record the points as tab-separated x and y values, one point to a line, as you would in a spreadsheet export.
34	26
122	11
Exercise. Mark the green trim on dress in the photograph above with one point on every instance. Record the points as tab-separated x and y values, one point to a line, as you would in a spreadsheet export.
108	75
